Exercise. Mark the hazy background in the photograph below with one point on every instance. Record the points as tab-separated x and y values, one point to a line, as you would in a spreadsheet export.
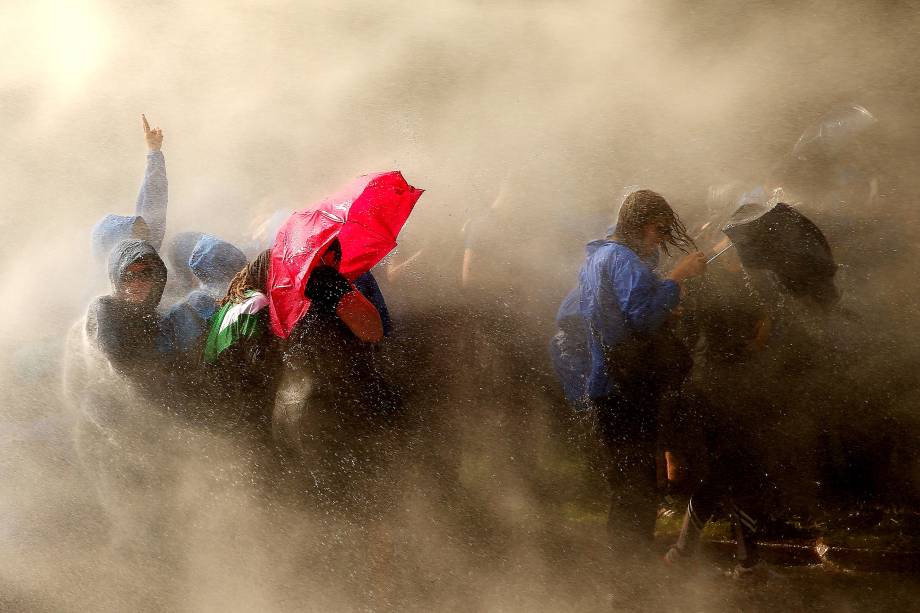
269	105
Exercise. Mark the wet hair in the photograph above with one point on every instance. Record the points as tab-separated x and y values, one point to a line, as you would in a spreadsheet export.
253	277
643	207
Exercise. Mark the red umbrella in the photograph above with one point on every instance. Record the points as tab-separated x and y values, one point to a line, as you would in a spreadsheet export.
366	217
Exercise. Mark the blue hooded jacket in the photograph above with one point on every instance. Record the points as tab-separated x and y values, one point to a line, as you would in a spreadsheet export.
129	333
149	220
214	263
618	294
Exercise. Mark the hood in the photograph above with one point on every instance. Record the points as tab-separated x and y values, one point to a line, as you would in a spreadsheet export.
133	250
111	229
214	261
178	251
203	302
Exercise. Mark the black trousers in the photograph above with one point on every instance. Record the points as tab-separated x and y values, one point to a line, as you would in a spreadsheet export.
628	429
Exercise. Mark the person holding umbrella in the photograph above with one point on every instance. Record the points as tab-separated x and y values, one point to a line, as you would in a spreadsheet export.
616	357
330	384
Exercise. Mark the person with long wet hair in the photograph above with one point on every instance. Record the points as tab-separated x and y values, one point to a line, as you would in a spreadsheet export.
240	355
616	357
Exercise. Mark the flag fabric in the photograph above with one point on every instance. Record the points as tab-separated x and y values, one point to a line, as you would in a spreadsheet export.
235	321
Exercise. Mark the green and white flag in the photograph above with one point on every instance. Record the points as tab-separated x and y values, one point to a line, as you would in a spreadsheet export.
235	321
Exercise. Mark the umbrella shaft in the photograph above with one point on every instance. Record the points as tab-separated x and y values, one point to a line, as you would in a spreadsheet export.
723	250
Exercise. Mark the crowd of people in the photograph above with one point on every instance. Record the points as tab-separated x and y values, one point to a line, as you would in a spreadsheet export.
647	355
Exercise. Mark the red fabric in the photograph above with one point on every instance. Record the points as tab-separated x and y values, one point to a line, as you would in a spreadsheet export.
366	217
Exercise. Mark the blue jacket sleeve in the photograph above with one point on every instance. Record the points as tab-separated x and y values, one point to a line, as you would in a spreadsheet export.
644	299
152	199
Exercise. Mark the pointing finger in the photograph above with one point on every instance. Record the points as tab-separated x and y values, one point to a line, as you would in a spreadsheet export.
146	125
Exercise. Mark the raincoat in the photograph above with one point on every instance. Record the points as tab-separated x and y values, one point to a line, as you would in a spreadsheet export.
214	262
129	334
618	297
149	220
116	384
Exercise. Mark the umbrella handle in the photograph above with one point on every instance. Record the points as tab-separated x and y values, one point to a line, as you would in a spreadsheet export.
723	250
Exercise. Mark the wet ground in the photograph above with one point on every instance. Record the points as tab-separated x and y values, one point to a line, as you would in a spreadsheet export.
234	546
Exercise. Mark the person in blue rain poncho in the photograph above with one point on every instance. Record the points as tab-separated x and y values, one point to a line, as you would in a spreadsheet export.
615	356
214	263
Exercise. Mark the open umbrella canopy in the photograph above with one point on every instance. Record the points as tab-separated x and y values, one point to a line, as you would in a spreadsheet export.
780	239
365	217
833	131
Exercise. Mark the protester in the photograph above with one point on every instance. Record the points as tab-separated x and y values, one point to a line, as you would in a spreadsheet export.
117	380
331	294
125	324
718	456
331	348
615	355
240	349
214	263
262	236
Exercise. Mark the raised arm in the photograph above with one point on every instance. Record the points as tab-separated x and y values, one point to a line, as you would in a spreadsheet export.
152	199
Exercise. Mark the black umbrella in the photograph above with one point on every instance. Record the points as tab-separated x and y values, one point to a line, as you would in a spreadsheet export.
780	239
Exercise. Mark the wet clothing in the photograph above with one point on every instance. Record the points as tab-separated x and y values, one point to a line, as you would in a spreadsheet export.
117	383
615	356
149	219
214	263
618	298
241	363
628	431
129	334
331	396
325	288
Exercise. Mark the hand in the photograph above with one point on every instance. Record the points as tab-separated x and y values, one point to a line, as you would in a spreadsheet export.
153	137
691	265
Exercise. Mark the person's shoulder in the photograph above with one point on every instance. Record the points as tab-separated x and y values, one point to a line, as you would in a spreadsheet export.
100	305
613	251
